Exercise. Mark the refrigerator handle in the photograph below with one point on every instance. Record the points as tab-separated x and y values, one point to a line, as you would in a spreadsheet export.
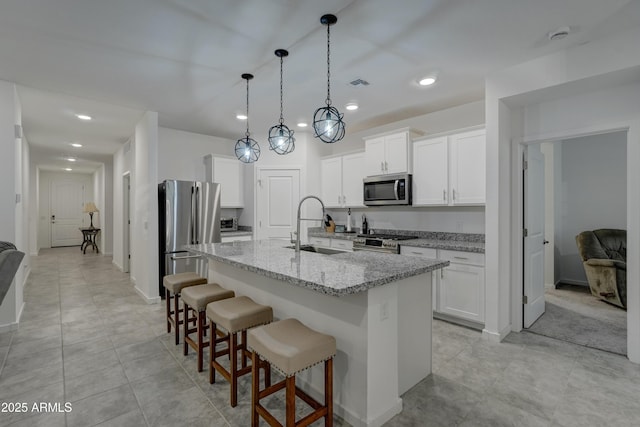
197	235
193	216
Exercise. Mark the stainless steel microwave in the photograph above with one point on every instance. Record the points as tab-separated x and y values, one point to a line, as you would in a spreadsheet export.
229	224
384	190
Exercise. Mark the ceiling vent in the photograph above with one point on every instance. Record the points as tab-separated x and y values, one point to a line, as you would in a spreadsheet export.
359	82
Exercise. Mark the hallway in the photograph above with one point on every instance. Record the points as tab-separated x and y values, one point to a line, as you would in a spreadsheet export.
88	338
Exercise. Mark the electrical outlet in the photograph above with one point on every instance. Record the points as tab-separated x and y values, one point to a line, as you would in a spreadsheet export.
384	311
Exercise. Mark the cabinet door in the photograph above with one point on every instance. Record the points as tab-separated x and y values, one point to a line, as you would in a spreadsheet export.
374	156
324	242
331	173
353	171
468	166
228	173
426	253
461	292
347	245
430	172
396	153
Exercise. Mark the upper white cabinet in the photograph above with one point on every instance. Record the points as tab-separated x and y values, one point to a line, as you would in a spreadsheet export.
450	170
342	180
387	154
227	172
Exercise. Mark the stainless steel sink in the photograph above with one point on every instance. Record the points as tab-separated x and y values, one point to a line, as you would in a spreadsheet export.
317	249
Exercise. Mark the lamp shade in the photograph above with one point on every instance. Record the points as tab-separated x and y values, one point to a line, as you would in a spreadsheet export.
90	208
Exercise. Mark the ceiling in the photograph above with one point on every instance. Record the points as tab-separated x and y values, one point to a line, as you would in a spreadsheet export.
116	59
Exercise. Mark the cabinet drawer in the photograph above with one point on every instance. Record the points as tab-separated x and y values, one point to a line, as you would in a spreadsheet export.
342	244
320	241
226	239
459	257
418	251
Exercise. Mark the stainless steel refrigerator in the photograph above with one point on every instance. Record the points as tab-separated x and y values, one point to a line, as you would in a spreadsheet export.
189	213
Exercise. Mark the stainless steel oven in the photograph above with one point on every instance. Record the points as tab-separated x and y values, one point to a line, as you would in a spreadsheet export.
385	243
384	190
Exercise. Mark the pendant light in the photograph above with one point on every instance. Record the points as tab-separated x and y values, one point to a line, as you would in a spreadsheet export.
247	148
281	138
327	121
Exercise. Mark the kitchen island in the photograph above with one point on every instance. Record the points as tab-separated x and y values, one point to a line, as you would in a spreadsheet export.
377	306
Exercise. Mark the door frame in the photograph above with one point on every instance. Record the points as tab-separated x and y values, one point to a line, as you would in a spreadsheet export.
257	171
517	193
126	222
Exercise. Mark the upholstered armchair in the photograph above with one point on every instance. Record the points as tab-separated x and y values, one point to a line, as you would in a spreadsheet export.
604	256
10	259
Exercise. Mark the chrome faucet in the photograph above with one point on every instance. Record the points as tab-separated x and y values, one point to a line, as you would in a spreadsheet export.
305	219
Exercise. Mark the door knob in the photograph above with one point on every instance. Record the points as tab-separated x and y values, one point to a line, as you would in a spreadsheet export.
544	242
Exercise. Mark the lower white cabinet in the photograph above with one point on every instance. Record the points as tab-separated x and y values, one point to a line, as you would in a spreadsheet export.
227	239
327	242
458	290
461	289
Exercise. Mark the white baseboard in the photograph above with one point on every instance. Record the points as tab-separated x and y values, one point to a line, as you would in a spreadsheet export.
496	336
9	327
20	313
118	266
154	300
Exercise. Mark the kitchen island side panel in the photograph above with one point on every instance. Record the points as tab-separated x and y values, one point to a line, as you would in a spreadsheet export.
369	328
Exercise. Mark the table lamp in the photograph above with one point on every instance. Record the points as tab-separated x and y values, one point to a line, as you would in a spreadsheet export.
90	208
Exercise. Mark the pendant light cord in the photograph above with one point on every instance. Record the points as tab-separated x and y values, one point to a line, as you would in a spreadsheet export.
328	100
281	90
247	134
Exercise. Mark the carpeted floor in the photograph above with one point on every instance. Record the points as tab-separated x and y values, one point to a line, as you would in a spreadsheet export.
572	314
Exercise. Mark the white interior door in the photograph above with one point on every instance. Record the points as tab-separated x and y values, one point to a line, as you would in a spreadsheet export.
278	194
67	199
534	235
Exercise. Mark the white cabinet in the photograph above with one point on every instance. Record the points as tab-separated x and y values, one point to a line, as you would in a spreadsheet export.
342	180
450	170
461	287
388	154
327	242
458	290
227	172
467	154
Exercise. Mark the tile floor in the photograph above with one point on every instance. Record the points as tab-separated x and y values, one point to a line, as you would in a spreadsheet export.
87	338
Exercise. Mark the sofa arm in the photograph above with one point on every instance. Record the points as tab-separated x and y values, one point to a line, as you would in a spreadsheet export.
595	262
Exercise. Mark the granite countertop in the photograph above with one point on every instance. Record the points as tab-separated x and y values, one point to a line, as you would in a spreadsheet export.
339	274
425	239
236	233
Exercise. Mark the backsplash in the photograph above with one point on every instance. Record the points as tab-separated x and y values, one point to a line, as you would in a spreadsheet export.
432	235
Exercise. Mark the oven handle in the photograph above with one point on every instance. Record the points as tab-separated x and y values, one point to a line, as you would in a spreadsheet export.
395	189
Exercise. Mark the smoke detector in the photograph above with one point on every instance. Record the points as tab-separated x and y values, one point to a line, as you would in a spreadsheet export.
559	34
359	82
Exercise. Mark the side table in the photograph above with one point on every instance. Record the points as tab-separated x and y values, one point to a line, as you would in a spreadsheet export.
89	239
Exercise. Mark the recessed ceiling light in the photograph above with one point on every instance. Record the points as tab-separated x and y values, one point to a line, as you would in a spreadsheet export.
83	117
71	159
302	125
241	117
559	34
76	145
351	106
427	81
68	169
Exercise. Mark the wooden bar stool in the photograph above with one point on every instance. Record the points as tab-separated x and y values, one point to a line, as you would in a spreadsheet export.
173	285
196	298
236	315
291	347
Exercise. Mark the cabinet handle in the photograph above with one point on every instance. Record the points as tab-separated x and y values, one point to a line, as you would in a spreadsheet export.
382	166
444	195
460	257
454	193
442	273
386	166
416	253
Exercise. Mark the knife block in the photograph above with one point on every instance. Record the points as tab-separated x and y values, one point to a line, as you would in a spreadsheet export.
331	228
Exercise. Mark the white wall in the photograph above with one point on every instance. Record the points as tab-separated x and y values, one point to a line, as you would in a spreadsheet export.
13	155
592	194
569	93
122	161
46	179
144	185
34	207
